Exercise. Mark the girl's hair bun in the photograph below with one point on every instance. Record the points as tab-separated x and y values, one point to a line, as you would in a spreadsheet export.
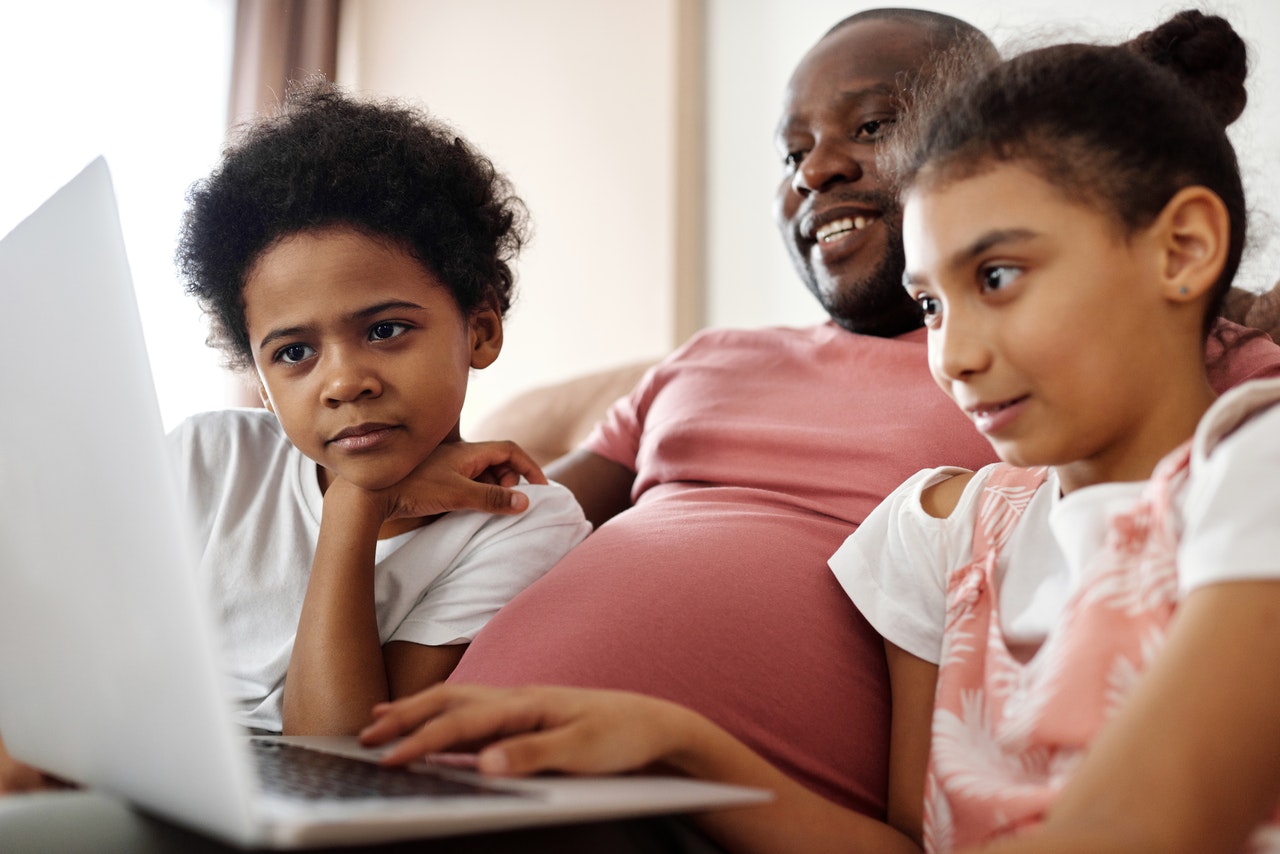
1206	53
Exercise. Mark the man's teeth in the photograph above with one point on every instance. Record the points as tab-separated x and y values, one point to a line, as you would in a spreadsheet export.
837	228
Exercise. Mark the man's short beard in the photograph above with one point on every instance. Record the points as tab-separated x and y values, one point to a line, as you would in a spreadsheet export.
877	304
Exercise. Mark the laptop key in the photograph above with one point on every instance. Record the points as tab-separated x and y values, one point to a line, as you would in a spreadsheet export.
301	772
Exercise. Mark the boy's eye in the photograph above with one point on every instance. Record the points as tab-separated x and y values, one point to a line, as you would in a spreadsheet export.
383	331
293	354
996	278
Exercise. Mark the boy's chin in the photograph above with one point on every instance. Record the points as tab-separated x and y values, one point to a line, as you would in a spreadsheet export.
373	479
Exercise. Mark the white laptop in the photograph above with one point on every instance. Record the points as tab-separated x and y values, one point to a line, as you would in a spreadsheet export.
108	673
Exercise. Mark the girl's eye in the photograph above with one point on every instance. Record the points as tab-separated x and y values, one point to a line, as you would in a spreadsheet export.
383	331
931	307
293	354
996	278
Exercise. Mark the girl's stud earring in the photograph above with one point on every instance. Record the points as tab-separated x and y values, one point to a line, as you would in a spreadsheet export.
1183	290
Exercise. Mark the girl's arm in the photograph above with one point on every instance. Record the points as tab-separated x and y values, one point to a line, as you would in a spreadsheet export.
588	731
1190	763
338	668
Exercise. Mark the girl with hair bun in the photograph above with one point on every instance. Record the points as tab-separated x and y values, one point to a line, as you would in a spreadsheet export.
1082	639
1098	616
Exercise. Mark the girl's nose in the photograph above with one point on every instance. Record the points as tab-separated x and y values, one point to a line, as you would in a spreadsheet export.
958	348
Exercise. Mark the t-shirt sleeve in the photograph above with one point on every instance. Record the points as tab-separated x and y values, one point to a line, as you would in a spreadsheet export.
616	436
506	555
1235	354
1231	528
894	566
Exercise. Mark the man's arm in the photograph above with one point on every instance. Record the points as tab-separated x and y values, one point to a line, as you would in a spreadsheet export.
602	487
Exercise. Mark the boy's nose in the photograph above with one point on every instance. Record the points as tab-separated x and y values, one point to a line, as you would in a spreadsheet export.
350	379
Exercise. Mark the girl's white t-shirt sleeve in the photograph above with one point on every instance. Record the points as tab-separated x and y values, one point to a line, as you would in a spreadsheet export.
1231	514
894	566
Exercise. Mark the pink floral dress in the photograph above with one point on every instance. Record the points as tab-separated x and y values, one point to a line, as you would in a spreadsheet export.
1007	734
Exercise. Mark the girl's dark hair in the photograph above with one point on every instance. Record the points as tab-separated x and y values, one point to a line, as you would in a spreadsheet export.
329	159
1120	128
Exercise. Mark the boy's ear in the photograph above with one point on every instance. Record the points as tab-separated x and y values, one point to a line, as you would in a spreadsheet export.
1194	232
485	325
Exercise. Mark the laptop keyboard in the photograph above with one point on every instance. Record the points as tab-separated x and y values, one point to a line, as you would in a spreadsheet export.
300	772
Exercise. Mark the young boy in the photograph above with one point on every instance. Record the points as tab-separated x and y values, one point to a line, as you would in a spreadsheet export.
354	256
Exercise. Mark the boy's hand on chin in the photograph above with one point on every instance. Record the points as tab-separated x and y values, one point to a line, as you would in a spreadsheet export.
464	476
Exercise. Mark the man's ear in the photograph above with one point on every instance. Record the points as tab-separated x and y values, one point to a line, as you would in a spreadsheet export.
485	325
1194	234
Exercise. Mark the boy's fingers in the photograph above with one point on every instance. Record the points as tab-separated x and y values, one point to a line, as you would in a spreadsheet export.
514	458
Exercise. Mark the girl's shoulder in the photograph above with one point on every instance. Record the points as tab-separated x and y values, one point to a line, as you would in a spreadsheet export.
1253	403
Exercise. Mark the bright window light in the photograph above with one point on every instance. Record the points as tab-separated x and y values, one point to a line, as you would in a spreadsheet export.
143	82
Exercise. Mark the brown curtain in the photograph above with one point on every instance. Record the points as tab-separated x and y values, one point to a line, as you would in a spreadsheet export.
276	41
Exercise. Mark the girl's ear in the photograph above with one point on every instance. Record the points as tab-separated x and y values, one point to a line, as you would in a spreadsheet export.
1194	232
485	325
266	400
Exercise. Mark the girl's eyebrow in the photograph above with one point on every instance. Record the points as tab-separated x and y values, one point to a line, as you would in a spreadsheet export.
961	257
988	241
358	315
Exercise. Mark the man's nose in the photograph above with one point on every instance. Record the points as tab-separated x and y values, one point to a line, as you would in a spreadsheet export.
828	162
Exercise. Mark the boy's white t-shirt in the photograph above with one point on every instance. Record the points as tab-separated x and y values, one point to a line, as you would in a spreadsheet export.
894	566
254	502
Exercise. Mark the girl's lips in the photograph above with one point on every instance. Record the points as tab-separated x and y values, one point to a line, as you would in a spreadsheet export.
991	419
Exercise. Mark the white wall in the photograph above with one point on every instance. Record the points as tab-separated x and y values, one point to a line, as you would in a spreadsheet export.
754	44
574	100
143	82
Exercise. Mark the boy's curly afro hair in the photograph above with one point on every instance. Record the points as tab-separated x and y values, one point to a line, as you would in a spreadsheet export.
381	167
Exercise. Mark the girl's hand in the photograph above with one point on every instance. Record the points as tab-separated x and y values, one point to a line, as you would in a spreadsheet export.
16	777
523	731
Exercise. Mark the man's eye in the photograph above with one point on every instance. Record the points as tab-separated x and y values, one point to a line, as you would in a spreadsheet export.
293	354
874	129
996	278
383	331
792	159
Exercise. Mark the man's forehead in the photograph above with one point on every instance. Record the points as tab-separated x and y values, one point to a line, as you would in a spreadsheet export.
859	57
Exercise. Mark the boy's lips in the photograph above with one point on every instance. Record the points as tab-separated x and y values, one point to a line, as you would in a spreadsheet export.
362	436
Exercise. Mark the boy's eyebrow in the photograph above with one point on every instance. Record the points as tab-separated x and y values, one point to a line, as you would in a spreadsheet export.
360	314
984	242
